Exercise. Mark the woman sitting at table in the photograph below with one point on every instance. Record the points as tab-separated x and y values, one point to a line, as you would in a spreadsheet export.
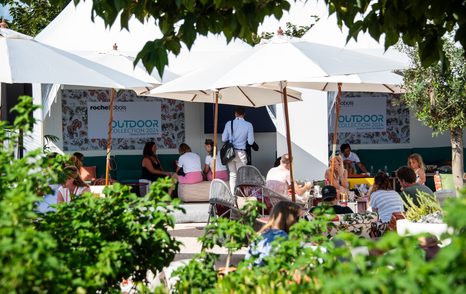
383	199
417	164
221	171
73	187
190	162
340	174
283	216
151	169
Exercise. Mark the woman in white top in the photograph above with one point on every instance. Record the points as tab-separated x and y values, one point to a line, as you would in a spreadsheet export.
221	171
74	186
191	164
384	200
417	164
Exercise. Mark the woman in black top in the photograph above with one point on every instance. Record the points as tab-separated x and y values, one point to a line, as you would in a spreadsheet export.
151	169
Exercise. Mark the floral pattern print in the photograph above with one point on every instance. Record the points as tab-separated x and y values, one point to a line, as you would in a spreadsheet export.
398	130
75	127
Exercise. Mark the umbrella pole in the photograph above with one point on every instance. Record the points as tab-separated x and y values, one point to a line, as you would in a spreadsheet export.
288	138
214	151
334	145
109	141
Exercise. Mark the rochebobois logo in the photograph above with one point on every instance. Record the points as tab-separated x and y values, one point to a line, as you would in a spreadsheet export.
107	107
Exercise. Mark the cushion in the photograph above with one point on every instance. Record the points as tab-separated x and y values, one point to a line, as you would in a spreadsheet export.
198	192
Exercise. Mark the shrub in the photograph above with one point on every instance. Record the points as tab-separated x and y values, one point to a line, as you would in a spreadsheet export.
87	245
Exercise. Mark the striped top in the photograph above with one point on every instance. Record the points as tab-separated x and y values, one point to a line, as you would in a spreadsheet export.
386	202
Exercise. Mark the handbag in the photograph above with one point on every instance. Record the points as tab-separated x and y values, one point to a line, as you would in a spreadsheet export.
227	152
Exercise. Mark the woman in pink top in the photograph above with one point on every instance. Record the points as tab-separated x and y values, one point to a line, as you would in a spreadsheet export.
191	164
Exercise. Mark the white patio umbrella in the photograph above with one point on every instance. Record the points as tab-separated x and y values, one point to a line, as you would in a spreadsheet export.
124	63
182	89
24	60
382	82
280	62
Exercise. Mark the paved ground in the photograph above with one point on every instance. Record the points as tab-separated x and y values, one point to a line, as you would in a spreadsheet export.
188	234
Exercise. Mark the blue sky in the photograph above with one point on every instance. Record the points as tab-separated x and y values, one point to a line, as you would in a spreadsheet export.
4	12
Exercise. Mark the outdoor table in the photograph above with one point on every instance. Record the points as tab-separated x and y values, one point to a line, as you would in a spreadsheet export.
353	181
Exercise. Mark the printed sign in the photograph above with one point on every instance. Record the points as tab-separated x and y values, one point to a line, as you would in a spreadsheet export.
130	120
362	115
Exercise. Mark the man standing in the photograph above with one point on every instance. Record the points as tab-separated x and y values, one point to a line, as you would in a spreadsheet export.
243	133
351	159
407	178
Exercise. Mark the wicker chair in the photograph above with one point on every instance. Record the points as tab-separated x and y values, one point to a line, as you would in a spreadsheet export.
249	183
272	198
222	202
248	175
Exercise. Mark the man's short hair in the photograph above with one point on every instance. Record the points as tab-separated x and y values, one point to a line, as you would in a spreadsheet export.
239	110
285	159
406	174
345	146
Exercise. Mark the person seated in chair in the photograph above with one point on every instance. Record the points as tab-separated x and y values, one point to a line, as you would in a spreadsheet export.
221	171
278	178
190	162
407	178
329	197
384	200
151	168
351	159
340	174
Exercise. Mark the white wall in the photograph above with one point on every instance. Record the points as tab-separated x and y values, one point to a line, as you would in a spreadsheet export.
308	124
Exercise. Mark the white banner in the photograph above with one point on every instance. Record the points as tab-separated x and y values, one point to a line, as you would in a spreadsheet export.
130	120
362	115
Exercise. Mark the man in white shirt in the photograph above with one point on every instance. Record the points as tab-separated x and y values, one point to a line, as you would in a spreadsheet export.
278	178
351	159
243	133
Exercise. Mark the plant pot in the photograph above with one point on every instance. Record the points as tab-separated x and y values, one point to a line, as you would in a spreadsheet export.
406	227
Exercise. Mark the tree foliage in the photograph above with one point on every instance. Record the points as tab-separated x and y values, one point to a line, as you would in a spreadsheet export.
31	17
310	263
418	22
180	21
437	93
87	245
291	30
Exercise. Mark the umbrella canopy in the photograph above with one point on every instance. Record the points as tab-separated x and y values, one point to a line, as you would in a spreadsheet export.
238	95
123	63
382	82
281	59
24	60
275	64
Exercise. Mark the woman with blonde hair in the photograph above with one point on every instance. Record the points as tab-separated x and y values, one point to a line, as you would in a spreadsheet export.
73	186
340	174
283	216
417	164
